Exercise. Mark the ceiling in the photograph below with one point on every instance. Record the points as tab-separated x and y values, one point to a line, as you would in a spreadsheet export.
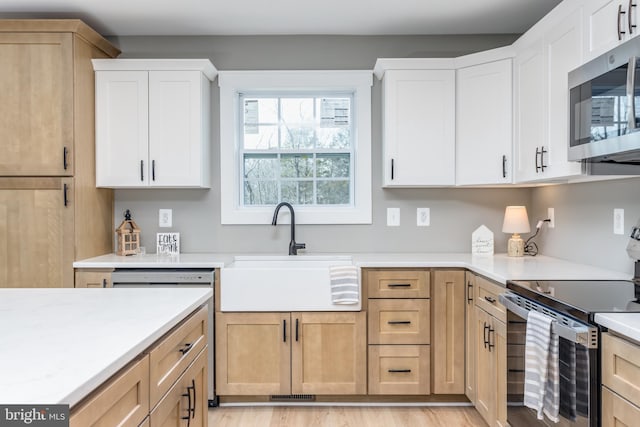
271	17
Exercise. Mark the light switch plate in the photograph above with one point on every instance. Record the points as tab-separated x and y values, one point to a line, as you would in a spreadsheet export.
393	217
165	217
423	217
618	221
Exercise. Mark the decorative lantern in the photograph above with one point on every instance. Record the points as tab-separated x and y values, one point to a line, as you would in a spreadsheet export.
128	236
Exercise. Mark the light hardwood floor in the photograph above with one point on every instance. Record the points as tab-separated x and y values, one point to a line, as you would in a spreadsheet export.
341	416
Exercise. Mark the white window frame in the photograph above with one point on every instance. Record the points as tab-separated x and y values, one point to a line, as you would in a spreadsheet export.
232	83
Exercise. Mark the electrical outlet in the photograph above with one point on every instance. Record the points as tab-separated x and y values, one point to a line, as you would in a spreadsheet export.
423	217
165	217
618	221
552	216
393	217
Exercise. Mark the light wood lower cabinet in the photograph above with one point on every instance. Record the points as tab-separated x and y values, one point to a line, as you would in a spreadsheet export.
183	404
285	353
160	388
399	369
94	278
329	353
122	401
620	381
253	354
399	321
491	368
617	411
447	345
470	337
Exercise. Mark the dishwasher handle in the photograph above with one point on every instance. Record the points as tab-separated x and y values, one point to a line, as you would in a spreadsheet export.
562	326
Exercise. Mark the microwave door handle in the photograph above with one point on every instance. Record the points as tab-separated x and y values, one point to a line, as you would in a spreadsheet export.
631	86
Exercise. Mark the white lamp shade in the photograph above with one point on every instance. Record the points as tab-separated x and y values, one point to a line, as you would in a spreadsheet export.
516	220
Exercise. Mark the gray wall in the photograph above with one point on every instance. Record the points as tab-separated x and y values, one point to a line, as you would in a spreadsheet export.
455	213
584	221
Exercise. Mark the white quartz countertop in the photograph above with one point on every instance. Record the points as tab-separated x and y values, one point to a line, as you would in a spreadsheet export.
627	324
57	345
498	267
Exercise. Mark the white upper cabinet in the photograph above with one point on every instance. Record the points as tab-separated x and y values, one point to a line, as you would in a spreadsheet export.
564	53
152	123
531	100
484	123
607	24
418	122
544	58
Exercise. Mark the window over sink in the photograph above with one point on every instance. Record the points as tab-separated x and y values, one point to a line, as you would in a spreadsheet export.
303	137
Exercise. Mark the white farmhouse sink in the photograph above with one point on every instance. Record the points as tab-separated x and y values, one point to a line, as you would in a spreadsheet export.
280	283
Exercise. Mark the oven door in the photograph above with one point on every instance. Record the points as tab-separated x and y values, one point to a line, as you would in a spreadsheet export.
578	361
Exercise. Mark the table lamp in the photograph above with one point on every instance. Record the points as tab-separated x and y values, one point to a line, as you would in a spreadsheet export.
516	221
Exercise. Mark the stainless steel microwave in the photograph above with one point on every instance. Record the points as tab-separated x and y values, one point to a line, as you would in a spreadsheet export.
604	108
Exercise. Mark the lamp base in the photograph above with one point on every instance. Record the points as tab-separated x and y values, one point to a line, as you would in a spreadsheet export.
515	246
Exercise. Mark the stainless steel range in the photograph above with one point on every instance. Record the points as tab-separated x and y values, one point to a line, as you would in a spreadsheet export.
572	305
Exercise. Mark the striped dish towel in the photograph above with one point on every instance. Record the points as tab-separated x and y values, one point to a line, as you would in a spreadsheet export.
567	380
536	358
345	286
551	405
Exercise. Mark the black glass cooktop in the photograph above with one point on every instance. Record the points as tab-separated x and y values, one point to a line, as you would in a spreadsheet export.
580	298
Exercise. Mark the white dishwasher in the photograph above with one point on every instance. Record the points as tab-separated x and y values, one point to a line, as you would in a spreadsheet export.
171	278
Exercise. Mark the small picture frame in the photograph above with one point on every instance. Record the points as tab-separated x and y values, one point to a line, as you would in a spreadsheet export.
167	243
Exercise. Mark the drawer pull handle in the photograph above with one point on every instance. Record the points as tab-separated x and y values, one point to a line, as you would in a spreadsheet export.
65	153
399	371
186	348
489	344
399	285
195	398
188	396
490	299
469	292
484	334
399	322
284	330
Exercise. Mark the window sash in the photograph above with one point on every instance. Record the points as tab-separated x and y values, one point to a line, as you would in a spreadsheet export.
279	152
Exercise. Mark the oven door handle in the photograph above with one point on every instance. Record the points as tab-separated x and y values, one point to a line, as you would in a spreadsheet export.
575	332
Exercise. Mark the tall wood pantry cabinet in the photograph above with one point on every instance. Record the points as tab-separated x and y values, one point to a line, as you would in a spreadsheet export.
50	210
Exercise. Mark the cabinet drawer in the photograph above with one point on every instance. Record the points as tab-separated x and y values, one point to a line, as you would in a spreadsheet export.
399	321
398	283
617	411
121	401
170	357
186	398
621	367
97	278
399	369
487	298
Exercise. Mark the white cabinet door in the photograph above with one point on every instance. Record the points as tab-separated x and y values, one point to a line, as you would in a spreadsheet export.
175	128
152	129
484	124
531	104
419	127
607	24
122	134
564	53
